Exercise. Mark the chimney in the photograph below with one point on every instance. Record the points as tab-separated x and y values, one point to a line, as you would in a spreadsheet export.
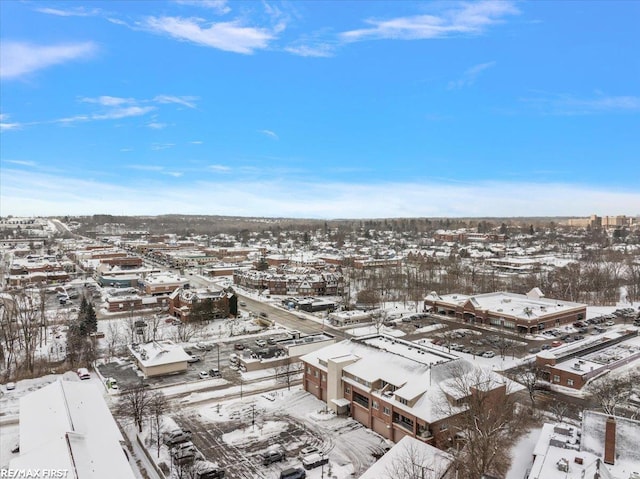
610	441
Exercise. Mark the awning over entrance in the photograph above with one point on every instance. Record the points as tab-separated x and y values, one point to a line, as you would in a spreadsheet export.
341	402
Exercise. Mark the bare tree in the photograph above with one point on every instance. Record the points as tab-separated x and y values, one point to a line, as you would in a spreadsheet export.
527	375
417	462
287	372
612	390
158	407
559	409
378	317
488	423
134	404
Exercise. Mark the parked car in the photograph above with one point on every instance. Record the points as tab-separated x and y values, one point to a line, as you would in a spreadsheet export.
261	343
270	457
555	344
314	460
10	386
214	373
544	347
210	473
242	303
488	354
193	359
182	448
264	315
305	451
178	436
203	375
83	373
534	350
293	473
238	346
610	323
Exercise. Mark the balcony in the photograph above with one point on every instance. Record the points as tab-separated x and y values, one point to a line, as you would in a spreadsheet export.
403	422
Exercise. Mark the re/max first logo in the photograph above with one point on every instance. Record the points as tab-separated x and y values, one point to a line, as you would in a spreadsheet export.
33	473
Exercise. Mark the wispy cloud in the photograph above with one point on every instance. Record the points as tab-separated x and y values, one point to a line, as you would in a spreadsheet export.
162	146
219	6
572	105
106	100
6	125
470	19
155	169
270	134
187	101
227	36
73	12
18	59
125	112
24	192
219	168
322	50
469	76
21	162
155	125
196	142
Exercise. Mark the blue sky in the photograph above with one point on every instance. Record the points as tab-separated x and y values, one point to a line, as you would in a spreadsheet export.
320	109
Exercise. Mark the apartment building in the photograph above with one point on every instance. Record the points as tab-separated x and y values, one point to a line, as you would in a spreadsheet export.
219	303
396	388
525	313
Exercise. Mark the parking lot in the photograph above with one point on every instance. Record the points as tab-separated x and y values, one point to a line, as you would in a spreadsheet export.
236	435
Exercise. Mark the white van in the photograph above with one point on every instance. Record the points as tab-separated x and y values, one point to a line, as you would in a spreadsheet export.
83	373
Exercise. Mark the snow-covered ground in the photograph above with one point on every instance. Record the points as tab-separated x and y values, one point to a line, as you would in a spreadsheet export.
522	454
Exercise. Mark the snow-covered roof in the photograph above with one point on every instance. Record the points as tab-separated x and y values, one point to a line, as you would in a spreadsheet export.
419	374
67	425
428	461
528	307
157	353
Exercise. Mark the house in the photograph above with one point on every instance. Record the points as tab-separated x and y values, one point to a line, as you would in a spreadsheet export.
396	387
217	304
525	313
159	358
67	426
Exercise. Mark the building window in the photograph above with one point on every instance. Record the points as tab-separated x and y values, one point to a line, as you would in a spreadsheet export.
403	401
324	377
315	373
308	370
386	410
374	404
556	378
443	426
569	382
347	390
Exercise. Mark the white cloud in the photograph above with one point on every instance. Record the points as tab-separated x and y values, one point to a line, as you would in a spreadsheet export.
470	18
22	162
571	105
18	59
25	192
196	142
219	6
125	112
187	101
74	12
269	133
155	125
219	168
162	146
322	50
107	100
5	125
470	75
227	36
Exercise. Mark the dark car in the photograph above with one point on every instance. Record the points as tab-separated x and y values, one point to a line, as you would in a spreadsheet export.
270	457
238	346
293	473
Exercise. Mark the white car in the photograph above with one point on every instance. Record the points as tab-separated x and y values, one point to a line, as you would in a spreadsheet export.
10	386
261	343
488	354
609	323
203	375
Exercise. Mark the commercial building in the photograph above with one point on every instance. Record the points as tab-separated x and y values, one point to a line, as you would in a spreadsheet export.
525	313
159	358
395	387
67	426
